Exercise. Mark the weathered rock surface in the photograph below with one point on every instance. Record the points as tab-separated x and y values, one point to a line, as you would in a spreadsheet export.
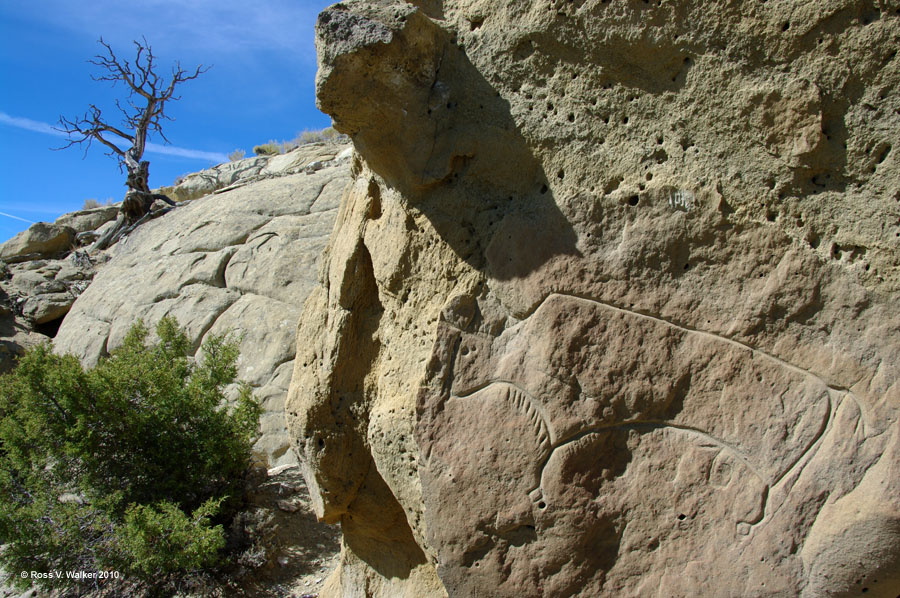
610	308
48	271
240	261
40	240
34	296
242	172
90	219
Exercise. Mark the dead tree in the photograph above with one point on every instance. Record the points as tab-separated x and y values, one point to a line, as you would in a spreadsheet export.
143	113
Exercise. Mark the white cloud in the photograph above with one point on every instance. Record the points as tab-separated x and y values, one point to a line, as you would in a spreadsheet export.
206	27
169	150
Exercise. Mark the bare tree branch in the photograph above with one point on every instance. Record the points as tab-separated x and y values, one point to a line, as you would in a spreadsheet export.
142	113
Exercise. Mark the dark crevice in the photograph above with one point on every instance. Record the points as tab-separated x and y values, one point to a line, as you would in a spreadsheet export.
50	328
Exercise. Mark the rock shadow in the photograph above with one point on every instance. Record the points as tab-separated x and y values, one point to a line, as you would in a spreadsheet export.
376	530
433	128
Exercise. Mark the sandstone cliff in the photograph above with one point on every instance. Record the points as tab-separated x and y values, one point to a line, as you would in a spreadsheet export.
610	305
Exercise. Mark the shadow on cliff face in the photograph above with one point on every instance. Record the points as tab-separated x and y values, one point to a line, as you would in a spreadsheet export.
377	530
427	122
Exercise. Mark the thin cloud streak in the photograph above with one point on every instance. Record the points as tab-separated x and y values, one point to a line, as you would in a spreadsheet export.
171	150
15	217
168	150
29	125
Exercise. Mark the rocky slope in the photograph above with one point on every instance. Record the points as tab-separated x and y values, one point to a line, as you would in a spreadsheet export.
241	259
240	256
610	308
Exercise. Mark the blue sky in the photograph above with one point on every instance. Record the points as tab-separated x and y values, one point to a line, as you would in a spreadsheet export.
261	86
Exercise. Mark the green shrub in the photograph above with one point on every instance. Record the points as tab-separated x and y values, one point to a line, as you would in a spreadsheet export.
162	539
236	155
134	465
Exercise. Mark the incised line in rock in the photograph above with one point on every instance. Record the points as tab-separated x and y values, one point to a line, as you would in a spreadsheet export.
712	335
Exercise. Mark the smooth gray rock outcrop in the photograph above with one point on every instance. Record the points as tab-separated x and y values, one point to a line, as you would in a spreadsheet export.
238	261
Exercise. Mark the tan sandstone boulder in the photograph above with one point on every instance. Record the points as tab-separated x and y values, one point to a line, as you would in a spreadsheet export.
38	240
610	308
90	219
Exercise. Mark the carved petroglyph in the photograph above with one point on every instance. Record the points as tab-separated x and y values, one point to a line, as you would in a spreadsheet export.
567	412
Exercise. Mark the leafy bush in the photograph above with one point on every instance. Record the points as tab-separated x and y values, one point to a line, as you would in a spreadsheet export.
236	155
164	539
132	466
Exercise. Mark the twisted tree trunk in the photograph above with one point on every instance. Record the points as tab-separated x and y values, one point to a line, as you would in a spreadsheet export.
142	81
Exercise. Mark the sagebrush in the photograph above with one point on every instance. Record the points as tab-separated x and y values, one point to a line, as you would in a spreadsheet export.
306	137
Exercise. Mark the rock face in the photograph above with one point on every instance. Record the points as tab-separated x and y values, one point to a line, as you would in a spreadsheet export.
240	260
90	219
37	241
242	172
610	307
35	294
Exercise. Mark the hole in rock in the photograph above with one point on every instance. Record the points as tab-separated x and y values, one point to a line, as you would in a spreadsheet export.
633	200
50	328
